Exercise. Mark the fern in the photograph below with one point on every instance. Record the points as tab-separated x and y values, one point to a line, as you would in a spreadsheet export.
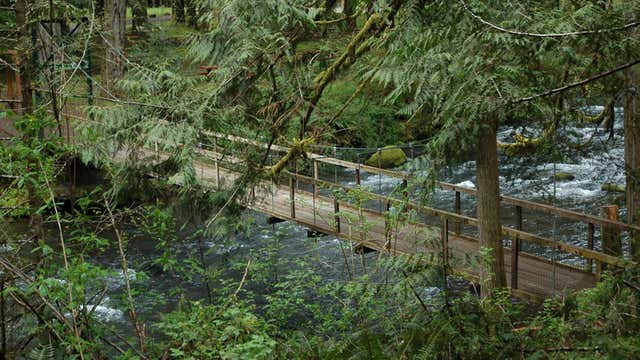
42	352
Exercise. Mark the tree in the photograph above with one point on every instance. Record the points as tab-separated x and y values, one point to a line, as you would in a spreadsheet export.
115	23
632	154
492	274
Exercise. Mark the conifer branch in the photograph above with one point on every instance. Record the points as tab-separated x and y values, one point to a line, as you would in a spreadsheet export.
578	83
547	35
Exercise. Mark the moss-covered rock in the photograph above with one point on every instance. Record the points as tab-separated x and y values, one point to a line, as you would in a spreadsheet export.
388	157
613	187
564	176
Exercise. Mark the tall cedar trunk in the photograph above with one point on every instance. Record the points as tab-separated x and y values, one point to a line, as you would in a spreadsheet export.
139	12
632	155
492	274
192	16
178	10
115	22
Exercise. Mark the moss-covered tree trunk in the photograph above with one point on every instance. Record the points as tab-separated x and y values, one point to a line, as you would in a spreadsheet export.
492	273
632	154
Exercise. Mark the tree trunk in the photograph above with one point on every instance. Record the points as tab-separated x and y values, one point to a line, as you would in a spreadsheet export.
178	10
139	12
115	22
632	155
492	273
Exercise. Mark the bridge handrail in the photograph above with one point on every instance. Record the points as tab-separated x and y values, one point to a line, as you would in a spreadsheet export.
548	209
467	220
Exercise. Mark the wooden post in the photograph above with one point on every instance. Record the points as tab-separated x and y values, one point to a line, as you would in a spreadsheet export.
405	193
335	167
217	173
458	208
444	236
611	241
445	259
387	226
336	210
358	175
379	174
515	250
292	197
315	188
10	93
18	79
590	232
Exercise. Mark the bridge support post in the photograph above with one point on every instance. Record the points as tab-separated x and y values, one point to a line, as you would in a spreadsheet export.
315	188
458	208
611	241
515	250
590	232
387	226
444	235
358	175
336	210
292	196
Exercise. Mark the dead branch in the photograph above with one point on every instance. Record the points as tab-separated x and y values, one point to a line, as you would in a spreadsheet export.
244	277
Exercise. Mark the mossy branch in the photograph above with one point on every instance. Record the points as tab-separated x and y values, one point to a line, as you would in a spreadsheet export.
297	149
597	119
350	53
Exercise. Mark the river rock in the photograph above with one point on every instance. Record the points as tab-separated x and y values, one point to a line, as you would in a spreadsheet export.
613	187
564	176
388	157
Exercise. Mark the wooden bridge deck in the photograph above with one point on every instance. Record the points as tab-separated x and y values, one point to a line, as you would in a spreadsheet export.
536	276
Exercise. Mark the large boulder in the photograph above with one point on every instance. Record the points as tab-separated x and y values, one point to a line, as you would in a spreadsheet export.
388	157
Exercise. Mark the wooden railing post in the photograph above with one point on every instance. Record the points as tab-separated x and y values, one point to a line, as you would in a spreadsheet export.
315	188
590	232
387	226
515	250
458	208
292	196
336	210
217	164
405	193
444	236
611	241
358	175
